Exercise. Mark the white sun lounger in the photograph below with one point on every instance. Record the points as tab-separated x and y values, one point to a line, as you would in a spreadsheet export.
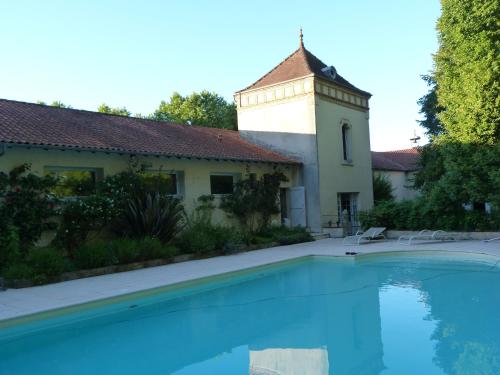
492	239
374	233
426	235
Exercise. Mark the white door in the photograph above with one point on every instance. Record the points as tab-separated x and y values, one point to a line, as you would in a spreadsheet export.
298	206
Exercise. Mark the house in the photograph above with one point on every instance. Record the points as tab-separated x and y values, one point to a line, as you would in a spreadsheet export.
302	118
192	161
399	168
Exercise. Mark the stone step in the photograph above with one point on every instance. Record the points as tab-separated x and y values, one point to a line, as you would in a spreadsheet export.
320	236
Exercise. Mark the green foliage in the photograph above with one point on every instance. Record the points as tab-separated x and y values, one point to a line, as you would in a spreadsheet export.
458	173
201	237
284	235
40	265
18	271
122	187
59	104
124	250
46	263
462	111
152	248
9	246
93	255
430	109
204	108
422	213
73	183
254	201
382	189
467	70
80	217
120	111
55	103
153	215
26	204
97	211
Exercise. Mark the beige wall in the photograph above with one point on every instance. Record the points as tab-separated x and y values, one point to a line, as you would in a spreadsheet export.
196	172
402	183
291	112
336	176
282	118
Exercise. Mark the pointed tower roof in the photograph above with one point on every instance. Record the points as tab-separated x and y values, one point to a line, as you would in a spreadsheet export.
299	64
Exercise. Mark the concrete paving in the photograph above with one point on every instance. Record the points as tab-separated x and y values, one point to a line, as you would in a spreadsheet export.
15	303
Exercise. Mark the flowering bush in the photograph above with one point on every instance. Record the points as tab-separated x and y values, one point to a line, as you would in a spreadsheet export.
26	205
80	217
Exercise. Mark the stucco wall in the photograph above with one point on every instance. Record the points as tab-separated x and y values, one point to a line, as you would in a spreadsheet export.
304	122
287	125
196	173
401	182
336	176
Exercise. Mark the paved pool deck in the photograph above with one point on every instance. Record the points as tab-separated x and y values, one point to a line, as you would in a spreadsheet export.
15	303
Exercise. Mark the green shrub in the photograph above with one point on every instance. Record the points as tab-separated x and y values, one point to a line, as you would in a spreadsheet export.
80	217
18	271
260	240
427	214
254	201
202	237
152	248
47	263
285	235
382	189
9	245
295	238
124	250
26	204
152	215
93	255
198	240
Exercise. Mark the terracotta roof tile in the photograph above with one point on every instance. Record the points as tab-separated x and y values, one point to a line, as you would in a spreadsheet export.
40	125
398	160
299	64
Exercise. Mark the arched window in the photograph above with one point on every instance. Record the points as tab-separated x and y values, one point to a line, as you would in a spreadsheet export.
346	143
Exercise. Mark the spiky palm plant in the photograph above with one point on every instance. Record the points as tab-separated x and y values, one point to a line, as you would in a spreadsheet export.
153	215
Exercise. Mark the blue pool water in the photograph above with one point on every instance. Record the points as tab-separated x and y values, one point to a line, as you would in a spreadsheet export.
384	315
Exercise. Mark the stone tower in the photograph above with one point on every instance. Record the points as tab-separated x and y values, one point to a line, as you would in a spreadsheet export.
303	108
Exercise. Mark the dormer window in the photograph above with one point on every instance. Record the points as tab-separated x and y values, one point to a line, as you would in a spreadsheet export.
346	143
330	71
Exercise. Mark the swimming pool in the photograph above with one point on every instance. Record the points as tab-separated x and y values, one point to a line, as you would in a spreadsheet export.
397	314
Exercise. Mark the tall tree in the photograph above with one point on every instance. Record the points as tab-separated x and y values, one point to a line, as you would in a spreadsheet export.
467	69
204	108
121	111
462	163
429	109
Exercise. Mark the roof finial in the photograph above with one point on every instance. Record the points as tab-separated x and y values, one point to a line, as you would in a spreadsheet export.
301	39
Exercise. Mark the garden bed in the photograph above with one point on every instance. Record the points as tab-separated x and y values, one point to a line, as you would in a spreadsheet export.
80	274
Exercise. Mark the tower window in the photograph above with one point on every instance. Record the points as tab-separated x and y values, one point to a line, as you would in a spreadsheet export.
346	143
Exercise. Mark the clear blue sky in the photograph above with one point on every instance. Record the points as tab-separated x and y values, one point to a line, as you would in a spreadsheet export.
136	53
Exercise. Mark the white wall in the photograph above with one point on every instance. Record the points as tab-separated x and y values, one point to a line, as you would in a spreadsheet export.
401	182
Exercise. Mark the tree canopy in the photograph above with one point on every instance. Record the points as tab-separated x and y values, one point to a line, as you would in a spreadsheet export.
121	111
204	108
461	165
55	103
467	70
382	189
430	109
